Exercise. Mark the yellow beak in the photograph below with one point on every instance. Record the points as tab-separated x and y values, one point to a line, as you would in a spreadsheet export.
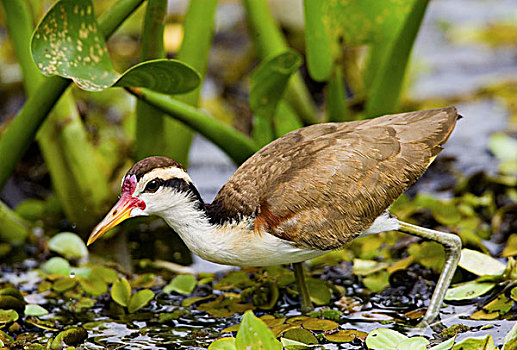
120	212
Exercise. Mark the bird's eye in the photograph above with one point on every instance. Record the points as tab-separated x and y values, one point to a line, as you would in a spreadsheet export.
152	186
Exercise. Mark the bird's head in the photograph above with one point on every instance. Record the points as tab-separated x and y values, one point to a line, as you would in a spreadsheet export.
151	187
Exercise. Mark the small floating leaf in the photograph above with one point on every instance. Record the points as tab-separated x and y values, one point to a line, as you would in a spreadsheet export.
139	300
107	274
291	344
468	290
223	344
121	292
35	310
63	284
255	335
344	335
414	343
477	343
480	264
446	345
68	244
383	338
71	337
8	316
301	335
93	286
316	324
10	302
12	292
182	284
56	266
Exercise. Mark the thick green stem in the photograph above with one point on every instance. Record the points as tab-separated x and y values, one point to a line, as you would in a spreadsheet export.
22	130
337	110
13	229
237	145
195	49
270	41
150	133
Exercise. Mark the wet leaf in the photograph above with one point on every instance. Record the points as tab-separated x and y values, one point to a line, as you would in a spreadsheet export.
8	316
107	274
301	335
414	343
297	319
69	245
10	302
35	310
316	324
63	284
223	344
139	300
84	303
72	336
383	338
236	279
255	335
233	328
56	266
446	345
121	292
93	286
430	254
69	43
328	314
511	246
280	329
318	291
484	315
344	335
13	292
31	209
189	301
182	284
476	343
500	304
290	344
468	290
446	213
480	264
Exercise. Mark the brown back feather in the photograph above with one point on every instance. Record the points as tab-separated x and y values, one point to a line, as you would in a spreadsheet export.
322	185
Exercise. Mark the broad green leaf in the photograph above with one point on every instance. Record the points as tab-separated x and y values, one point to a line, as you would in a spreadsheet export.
236	279
317	41
8	316
503	146
69	245
35	310
344	335
510	340
291	344
414	343
268	83
365	267
255	335
476	343
318	291
468	290
107	274
72	336
56	266
11	302
69	43
139	300
430	254
31	209
317	324
183	284
301	335
285	120
93	286
480	264
223	344
121	292
64	283
446	345
377	281
385	339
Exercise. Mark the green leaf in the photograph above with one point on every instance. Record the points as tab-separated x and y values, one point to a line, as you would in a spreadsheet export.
468	290
93	286
430	254
377	281
476	343
268	83
291	344
223	344
63	284
8	316
301	335
69	43
72	336
480	264
255	335
183	284
365	267
317	324
69	245
317	41
318	291
414	343
446	345
164	76
139	300
385	339
35	310
503	146
344	335
121	292
56	266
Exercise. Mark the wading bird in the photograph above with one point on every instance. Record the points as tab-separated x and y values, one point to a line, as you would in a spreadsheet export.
309	192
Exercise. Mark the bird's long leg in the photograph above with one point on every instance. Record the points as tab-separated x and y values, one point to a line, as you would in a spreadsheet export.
305	299
452	245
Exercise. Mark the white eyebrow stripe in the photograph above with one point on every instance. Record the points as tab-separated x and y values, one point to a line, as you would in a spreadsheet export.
164	174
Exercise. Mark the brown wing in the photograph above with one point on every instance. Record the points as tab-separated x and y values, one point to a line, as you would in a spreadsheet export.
334	179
